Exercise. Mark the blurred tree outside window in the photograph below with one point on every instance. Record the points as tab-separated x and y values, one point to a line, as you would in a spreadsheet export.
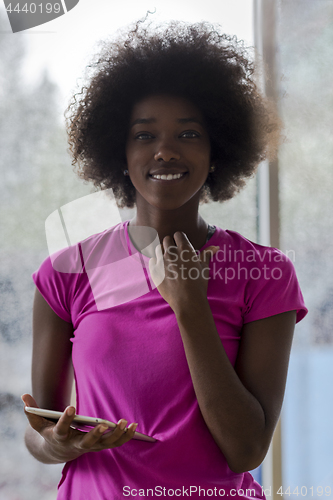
305	55
37	179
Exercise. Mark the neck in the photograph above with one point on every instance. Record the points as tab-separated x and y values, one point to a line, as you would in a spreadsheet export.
166	222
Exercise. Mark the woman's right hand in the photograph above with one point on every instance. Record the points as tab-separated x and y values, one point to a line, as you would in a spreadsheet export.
63	443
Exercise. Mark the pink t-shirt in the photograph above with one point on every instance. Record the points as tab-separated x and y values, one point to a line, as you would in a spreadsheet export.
129	360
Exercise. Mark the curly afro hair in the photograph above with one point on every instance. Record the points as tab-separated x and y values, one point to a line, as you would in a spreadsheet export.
193	61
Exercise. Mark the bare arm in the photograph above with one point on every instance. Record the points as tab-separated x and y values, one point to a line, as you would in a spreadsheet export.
52	379
52	371
240	406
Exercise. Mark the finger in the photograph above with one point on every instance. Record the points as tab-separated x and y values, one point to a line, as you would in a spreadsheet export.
156	267
28	400
38	423
188	252
62	427
159	252
167	243
183	242
172	249
114	435
124	438
181	239
158	256
131	430
128	435
91	438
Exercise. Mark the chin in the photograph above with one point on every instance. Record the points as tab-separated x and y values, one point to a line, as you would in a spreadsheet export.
167	206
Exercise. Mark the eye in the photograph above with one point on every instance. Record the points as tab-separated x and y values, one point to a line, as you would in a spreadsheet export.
145	135
191	133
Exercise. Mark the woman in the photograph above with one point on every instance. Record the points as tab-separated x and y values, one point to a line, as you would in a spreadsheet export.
199	359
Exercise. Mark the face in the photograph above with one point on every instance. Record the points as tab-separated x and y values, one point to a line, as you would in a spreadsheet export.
167	137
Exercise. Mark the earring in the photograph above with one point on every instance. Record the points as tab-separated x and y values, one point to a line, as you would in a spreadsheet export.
125	172
212	168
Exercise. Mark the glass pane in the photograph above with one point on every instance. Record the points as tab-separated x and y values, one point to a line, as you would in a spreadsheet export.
238	214
305	47
33	163
37	179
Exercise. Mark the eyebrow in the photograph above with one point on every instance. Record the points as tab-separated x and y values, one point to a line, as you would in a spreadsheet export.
179	120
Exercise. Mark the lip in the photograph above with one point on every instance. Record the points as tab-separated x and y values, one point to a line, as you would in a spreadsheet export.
166	171
171	181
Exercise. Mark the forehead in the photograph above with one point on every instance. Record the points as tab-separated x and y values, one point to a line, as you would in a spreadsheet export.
165	106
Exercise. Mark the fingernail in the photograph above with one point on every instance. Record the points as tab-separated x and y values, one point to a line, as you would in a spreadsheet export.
103	428
123	424
135	426
70	411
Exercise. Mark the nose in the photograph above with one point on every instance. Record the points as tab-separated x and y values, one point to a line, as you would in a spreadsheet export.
166	152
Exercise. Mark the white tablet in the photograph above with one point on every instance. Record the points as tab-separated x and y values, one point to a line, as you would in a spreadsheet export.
81	421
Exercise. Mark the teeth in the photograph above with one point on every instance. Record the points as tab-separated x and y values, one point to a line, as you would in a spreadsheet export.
168	177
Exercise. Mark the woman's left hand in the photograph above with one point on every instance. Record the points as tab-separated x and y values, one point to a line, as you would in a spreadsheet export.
186	273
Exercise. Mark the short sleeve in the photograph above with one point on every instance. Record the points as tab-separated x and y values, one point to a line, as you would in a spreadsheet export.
56	287
273	288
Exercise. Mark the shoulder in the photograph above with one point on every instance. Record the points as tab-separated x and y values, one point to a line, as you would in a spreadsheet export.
265	275
64	272
234	247
72	259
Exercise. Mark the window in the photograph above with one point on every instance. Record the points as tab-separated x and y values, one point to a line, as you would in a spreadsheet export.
34	164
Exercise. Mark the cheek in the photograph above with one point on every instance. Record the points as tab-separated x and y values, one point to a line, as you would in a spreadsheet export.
203	159
136	156
131	149
201	154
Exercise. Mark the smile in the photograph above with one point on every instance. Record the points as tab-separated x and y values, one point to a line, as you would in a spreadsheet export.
168	177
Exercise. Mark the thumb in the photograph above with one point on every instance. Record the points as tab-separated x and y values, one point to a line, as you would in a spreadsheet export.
156	266
207	254
28	400
36	422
